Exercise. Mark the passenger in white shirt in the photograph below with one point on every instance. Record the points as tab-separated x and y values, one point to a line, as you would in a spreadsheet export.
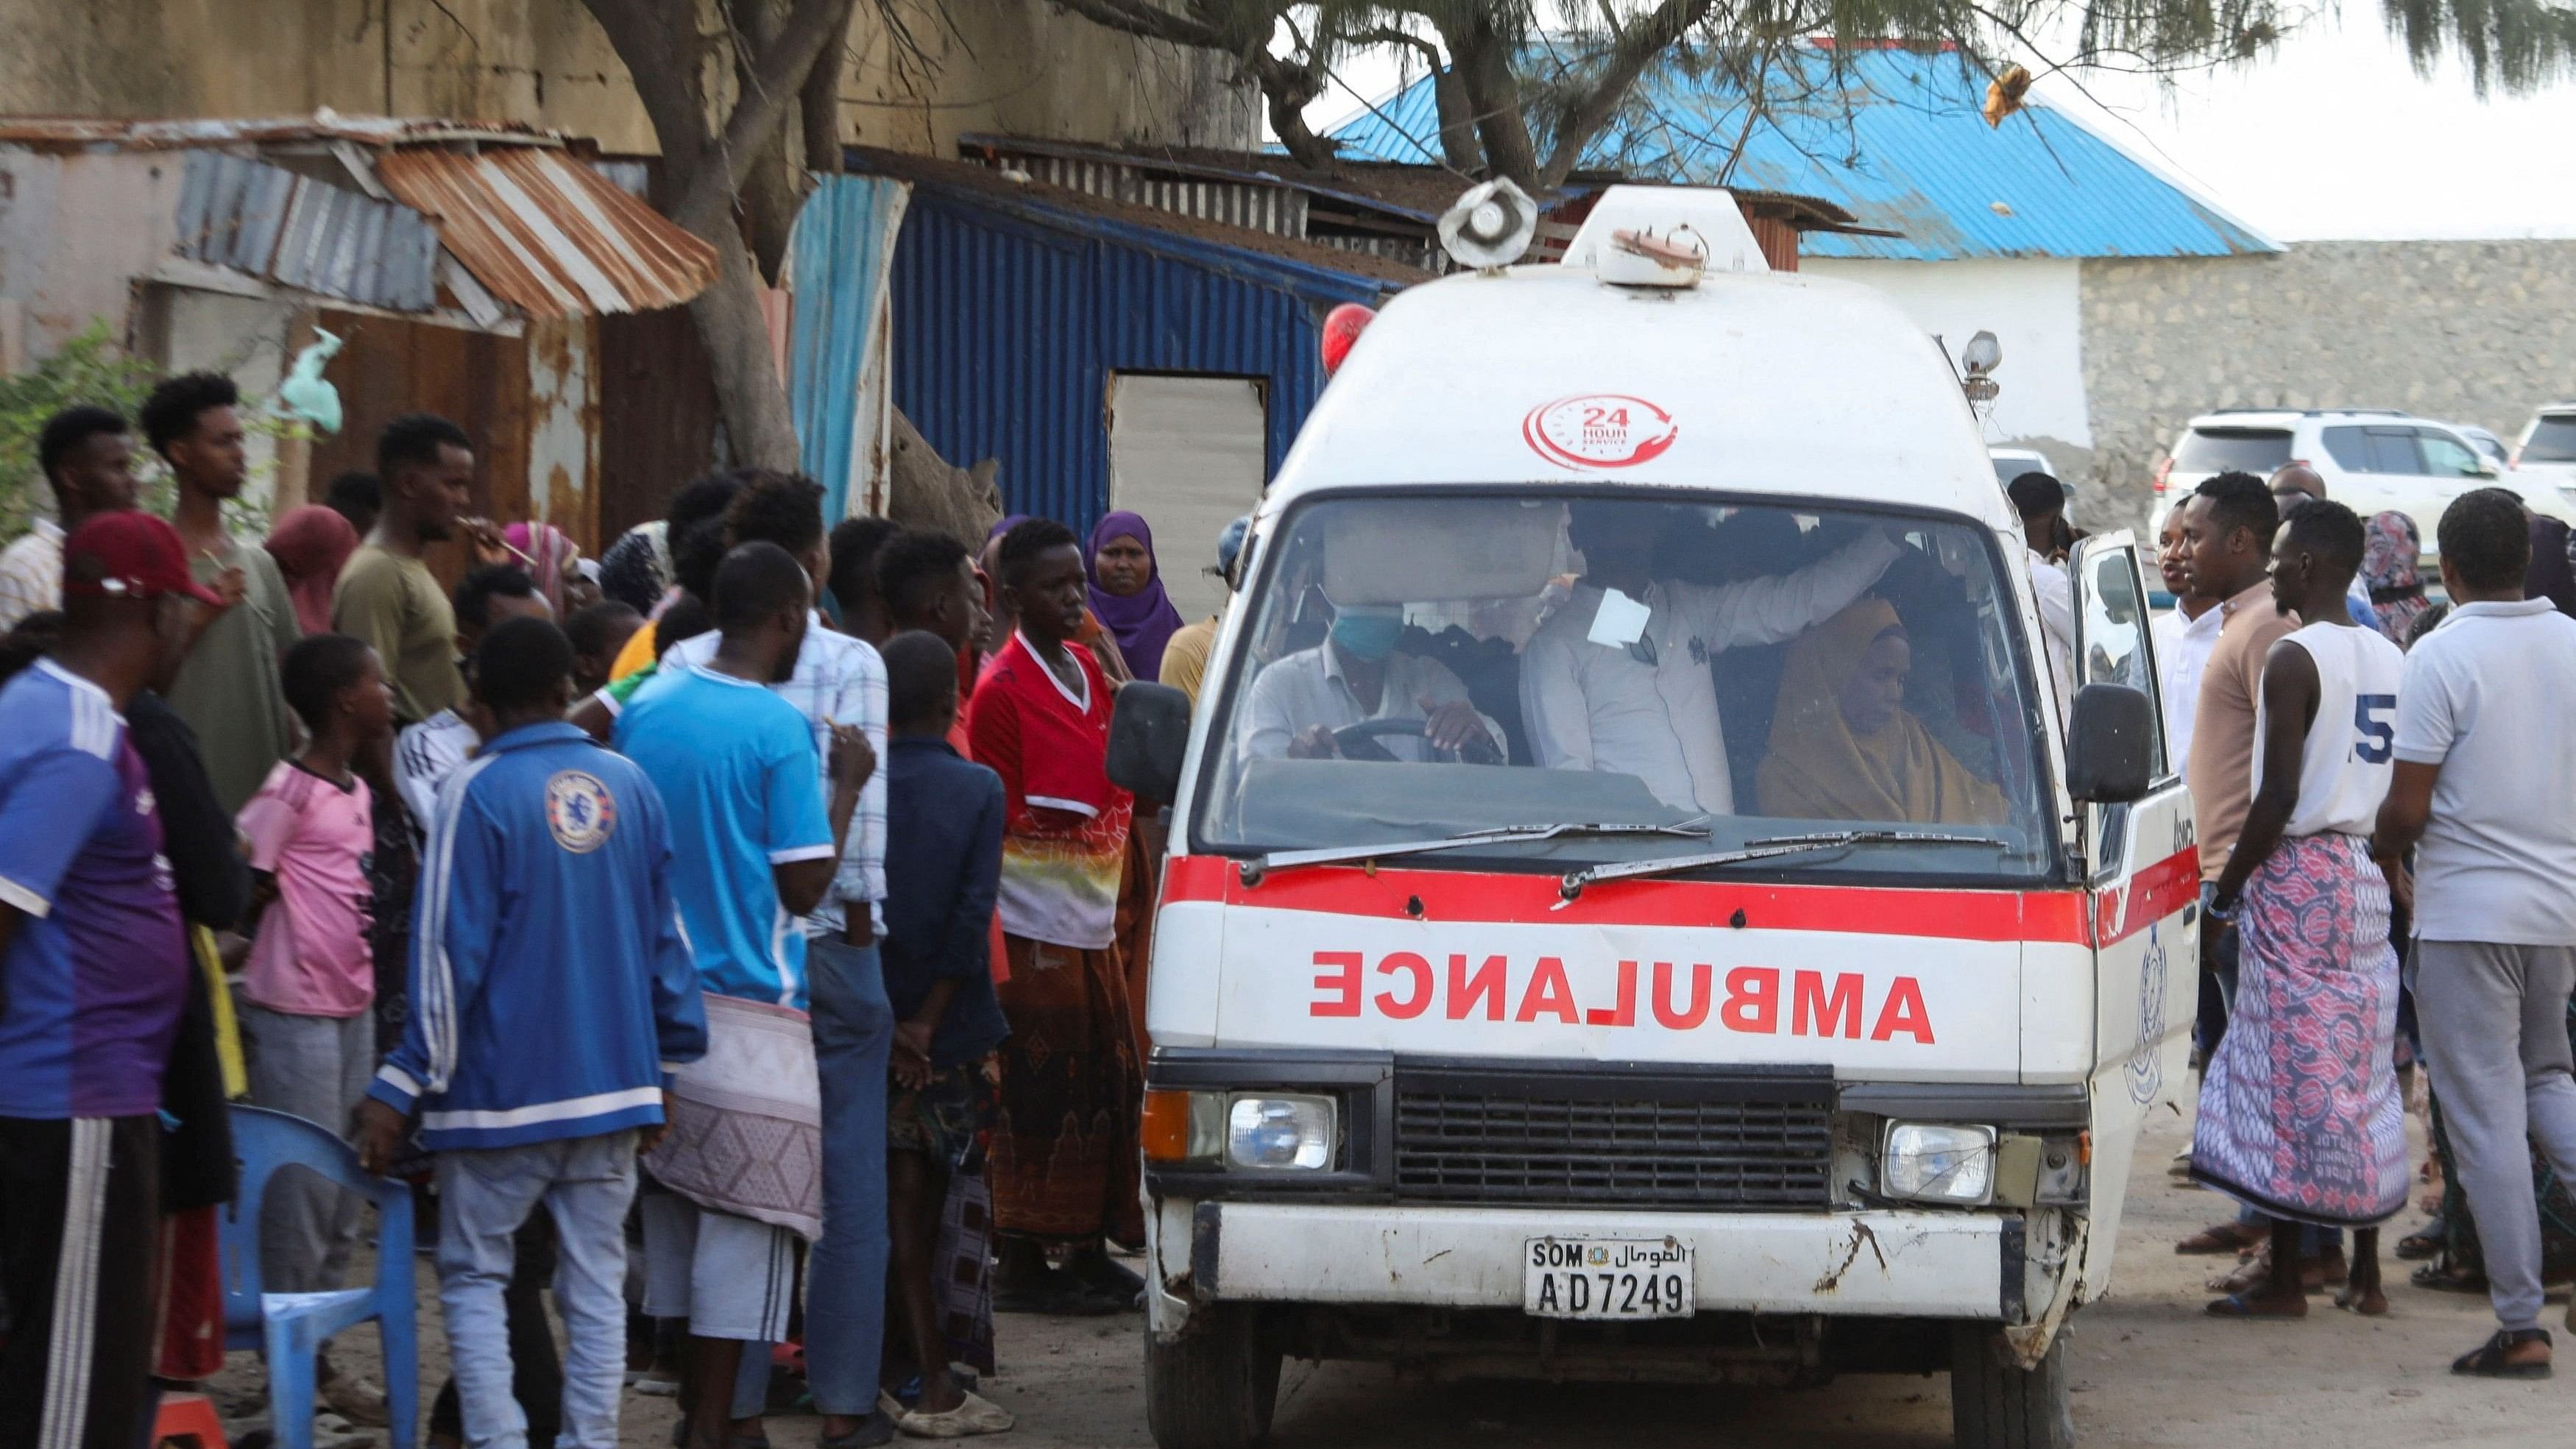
1647	705
2041	502
1353	677
2184	636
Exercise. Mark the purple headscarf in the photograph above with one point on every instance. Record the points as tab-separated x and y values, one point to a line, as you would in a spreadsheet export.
1143	621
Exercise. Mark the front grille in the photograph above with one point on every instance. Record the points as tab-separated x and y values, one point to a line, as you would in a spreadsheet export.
1655	1143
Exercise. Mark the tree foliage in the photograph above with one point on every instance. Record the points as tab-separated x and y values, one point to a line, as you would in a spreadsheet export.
86	369
1525	87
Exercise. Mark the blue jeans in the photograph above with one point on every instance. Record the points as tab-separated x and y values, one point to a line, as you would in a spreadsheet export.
846	1271
484	1195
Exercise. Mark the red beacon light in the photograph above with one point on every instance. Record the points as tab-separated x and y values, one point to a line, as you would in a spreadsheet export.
1342	328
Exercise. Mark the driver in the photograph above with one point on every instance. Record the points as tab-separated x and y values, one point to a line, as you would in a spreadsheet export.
1356	676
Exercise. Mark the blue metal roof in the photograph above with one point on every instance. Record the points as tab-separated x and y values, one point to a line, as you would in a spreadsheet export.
1012	313
1897	139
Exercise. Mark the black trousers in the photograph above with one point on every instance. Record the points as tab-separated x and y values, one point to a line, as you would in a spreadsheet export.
80	1218
536	1375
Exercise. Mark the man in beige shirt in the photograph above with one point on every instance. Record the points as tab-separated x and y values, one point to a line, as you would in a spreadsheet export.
2227	527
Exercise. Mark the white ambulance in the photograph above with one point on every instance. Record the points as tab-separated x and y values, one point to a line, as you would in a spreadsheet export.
1637	908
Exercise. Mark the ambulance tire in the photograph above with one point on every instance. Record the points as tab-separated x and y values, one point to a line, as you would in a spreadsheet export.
1996	1406
1214	1387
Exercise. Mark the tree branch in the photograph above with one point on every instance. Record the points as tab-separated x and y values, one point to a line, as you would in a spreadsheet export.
662	65
1632	49
777	76
1150	21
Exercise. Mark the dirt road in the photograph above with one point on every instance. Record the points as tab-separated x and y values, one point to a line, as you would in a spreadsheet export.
2149	1370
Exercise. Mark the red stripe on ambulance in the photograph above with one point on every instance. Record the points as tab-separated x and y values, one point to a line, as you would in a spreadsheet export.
2061	917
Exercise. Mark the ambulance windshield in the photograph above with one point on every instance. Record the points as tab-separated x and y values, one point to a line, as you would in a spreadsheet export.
1416	666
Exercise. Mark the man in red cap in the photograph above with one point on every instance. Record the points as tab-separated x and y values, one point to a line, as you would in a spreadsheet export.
93	972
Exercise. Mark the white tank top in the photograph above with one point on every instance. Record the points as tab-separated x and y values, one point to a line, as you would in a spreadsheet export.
2351	749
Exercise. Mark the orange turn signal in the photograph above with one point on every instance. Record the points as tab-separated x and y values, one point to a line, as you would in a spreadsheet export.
1167	1126
2084	1148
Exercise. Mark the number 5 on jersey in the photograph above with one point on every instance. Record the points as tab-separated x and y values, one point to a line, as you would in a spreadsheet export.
2376	733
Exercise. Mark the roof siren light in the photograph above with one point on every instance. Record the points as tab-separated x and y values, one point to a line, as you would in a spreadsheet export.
1342	328
1980	358
1491	226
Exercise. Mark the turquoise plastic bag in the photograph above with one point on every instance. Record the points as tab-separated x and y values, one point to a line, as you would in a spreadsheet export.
304	394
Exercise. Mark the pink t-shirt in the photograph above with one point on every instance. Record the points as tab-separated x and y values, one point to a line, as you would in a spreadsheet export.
311	956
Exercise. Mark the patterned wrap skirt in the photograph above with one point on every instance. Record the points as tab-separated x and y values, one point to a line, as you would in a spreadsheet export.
2299	1109
1066	1146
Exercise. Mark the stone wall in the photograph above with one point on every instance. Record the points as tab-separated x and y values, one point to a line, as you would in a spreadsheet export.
2466	331
1015	65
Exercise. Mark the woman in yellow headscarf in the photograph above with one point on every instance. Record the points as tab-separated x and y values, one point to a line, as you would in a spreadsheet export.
1843	746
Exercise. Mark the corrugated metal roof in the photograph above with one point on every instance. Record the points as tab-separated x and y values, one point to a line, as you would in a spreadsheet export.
1213	242
547	234
269	222
1895	136
1011	314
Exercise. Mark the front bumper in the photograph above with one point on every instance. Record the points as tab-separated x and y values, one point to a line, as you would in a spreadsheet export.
1878	1263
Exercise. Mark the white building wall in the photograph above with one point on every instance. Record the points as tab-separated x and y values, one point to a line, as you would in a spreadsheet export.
2034	308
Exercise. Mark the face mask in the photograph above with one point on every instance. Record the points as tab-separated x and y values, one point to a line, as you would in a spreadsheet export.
1367	634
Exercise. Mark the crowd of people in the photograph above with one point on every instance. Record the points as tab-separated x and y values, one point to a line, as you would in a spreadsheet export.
2374	776
756	894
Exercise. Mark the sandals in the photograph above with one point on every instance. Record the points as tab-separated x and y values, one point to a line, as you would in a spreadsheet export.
2487	1360
975	1415
2424	1242
2443	1278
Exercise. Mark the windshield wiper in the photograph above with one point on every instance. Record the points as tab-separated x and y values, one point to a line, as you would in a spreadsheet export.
1764	849
1259	866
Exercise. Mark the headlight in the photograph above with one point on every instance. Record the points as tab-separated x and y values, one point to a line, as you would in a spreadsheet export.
1255	1131
1930	1163
1279	1133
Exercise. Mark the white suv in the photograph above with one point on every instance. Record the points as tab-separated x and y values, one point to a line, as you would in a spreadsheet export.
2546	451
2372	460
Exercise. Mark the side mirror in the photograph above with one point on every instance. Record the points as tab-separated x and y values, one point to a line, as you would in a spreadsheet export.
2110	745
1149	736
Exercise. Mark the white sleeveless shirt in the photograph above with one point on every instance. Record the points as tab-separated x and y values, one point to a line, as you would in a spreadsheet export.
2351	751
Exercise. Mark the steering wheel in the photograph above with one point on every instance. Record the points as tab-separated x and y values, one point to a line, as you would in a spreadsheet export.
1360	742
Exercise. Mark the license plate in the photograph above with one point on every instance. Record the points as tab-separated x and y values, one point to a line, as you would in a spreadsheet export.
1612	1278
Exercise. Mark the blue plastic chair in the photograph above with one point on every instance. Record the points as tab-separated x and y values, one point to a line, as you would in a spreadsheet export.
291	1326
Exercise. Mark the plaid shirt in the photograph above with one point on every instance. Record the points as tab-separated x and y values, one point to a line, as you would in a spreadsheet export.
838	679
31	573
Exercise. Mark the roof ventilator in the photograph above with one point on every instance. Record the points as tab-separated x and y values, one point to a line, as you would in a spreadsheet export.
1642	259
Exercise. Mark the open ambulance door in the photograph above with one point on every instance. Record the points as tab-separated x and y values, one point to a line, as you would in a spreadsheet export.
2144	876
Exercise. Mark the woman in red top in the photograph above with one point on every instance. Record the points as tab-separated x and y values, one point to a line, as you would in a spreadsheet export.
1065	1153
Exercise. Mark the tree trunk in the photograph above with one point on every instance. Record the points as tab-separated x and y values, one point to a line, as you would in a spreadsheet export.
1482	62
819	105
1458	145
760	432
705	168
924	490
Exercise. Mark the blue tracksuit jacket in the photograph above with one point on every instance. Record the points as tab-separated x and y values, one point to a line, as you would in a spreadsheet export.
552	988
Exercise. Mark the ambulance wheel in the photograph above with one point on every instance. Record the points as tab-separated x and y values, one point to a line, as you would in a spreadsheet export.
1213	1387
1996	1406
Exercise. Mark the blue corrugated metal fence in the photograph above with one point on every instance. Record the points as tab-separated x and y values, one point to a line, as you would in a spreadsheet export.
1011	317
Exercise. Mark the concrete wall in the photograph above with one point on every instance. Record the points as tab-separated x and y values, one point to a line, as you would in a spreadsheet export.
2465	331
2034	308
992	64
